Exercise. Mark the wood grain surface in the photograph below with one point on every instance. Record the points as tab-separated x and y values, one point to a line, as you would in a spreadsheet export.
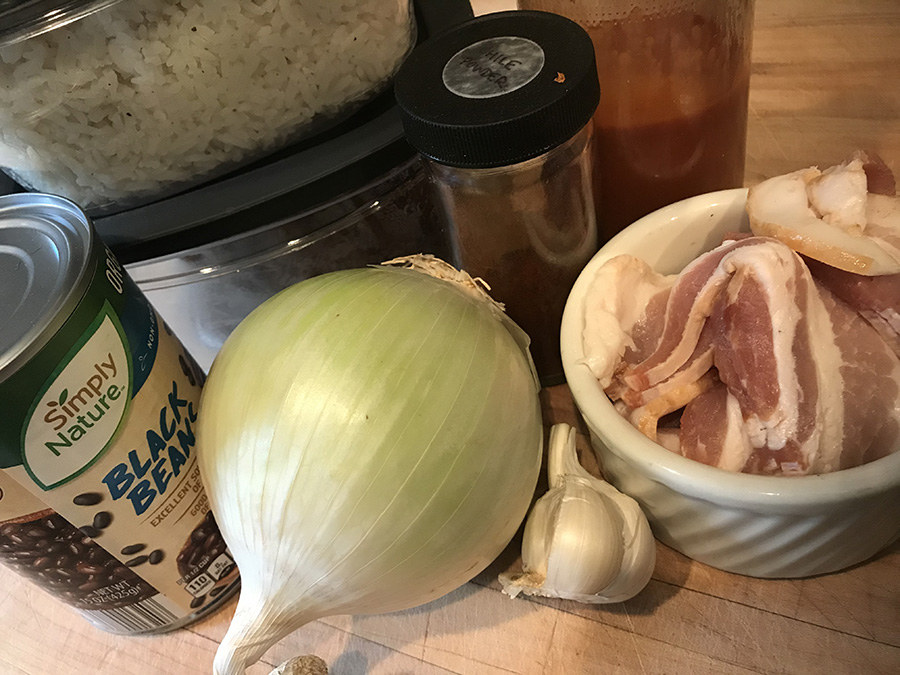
826	81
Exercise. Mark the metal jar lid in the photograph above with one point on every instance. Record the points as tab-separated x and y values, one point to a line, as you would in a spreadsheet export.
45	246
23	19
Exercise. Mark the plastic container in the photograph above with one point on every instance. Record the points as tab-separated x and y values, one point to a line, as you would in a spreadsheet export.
206	290
118	104
500	108
673	119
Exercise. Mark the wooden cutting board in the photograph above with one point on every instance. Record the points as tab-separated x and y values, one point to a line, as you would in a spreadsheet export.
826	81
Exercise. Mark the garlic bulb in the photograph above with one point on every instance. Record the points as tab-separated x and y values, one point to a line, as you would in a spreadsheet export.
584	540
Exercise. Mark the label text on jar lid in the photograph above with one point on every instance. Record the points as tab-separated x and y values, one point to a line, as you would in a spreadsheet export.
493	67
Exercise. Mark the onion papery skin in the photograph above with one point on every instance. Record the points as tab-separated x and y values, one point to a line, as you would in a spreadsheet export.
369	440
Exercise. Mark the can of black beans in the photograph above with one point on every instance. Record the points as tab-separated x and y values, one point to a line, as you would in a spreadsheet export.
101	499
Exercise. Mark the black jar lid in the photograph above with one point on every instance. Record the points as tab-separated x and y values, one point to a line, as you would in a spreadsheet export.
499	89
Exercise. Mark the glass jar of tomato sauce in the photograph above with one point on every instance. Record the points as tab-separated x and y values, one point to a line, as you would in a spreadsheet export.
672	121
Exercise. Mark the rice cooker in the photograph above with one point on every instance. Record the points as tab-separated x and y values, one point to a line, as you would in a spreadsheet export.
349	195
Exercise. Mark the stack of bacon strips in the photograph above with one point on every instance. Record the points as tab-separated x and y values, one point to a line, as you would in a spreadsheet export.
775	353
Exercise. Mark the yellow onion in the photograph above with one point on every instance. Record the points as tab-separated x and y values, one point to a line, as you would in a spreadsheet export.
370	440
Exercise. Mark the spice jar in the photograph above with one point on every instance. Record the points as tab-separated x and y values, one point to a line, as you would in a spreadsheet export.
499	108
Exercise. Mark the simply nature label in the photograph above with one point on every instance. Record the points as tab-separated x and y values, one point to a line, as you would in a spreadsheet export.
80	408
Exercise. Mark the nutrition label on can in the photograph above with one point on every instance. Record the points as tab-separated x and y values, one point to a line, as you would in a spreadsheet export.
101	500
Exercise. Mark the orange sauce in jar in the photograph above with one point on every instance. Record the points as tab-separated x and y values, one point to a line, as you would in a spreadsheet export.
672	118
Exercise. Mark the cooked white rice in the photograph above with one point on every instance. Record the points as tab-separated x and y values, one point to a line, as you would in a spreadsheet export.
149	94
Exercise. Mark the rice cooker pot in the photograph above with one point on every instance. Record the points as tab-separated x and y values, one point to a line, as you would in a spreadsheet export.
118	104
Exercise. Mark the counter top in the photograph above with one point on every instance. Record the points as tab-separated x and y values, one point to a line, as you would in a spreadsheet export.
826	81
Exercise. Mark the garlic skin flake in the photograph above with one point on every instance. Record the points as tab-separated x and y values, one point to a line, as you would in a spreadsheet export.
584	540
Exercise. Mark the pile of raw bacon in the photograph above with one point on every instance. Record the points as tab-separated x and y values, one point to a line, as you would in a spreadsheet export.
775	353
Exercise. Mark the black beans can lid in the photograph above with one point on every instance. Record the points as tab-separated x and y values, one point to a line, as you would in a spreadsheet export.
499	89
23	19
45	246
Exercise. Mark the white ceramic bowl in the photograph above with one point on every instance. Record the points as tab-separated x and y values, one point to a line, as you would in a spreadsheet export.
755	525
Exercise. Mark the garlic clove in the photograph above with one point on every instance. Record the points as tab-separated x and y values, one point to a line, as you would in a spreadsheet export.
302	665
580	549
637	564
583	540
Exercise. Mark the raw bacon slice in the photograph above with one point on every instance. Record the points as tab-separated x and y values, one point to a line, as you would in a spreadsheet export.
765	350
690	302
845	216
712	431
773	373
855	203
877	299
765	353
699	362
646	418
870	402
879	177
611	318
779	410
